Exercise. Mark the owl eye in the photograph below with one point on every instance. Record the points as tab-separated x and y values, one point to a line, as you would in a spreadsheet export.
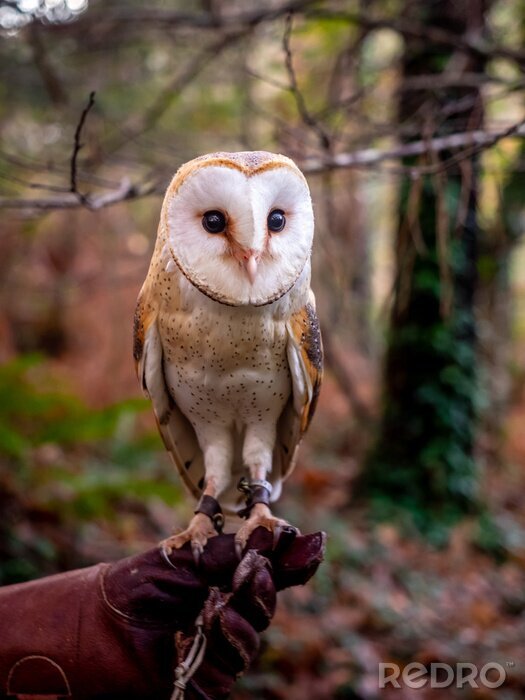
214	221
276	220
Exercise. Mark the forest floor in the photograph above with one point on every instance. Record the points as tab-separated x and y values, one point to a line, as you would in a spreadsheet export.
383	595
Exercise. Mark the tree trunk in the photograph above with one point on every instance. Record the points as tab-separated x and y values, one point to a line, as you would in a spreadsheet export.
423	459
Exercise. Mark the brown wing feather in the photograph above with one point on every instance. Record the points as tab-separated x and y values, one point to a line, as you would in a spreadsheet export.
307	334
175	430
145	315
305	359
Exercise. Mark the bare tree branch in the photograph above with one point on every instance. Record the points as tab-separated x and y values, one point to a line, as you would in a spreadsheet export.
164	100
76	148
126	191
475	140
52	83
409	28
471	141
161	17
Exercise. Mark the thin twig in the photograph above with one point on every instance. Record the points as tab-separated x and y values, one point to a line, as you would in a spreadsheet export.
136	130
33	185
308	119
125	192
77	146
34	165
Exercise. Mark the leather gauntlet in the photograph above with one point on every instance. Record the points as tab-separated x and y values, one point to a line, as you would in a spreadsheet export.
119	630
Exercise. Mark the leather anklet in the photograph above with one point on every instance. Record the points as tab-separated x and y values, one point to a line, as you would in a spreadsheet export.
257	491
210	506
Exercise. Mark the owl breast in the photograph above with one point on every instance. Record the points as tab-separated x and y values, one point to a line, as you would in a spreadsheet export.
224	366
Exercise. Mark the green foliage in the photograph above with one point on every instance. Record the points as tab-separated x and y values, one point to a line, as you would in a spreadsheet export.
68	462
34	410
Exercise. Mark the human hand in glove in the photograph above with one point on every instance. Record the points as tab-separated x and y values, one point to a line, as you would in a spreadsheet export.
121	630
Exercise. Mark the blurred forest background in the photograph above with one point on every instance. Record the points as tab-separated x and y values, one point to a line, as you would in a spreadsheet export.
408	118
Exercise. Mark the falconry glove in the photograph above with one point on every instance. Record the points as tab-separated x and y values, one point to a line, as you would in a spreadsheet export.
126	630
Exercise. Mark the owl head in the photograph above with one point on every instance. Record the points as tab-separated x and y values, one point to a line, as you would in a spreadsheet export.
239	225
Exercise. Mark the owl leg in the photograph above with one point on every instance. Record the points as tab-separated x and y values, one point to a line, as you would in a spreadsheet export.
208	519
257	455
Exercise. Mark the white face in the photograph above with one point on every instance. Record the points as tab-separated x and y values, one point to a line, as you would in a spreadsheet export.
248	260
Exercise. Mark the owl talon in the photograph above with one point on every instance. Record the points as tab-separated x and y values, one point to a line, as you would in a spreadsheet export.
261	516
166	549
196	550
198	532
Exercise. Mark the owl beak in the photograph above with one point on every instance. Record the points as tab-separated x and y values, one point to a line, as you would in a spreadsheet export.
251	268
248	258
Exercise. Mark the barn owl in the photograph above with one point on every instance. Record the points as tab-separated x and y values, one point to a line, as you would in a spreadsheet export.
226	338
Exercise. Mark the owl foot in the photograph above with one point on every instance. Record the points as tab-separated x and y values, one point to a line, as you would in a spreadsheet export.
260	516
198	532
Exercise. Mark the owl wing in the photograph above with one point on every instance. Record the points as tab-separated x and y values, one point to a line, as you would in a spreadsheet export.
305	361
175	429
